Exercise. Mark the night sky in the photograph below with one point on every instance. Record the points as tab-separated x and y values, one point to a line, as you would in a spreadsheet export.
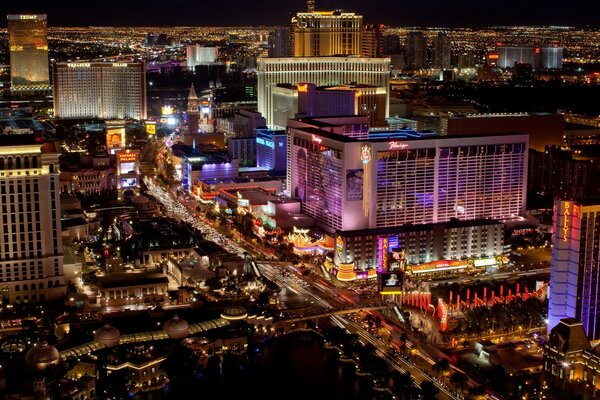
446	13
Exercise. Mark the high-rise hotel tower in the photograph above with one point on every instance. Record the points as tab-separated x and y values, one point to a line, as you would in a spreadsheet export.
575	268
100	89
31	258
28	48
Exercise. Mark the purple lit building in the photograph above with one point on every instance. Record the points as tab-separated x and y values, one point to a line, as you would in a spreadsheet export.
350	178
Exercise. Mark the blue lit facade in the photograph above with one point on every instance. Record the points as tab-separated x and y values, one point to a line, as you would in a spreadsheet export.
575	268
271	149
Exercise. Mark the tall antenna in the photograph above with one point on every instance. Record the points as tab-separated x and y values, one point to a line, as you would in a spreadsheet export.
310	5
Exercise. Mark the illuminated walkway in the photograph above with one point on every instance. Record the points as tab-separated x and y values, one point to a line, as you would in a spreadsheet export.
93	346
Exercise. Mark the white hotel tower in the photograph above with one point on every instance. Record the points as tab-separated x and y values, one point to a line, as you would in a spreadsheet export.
31	258
100	90
329	71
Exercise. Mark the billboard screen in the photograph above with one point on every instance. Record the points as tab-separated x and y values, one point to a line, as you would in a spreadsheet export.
127	167
391	281
397	259
128	182
354	184
115	137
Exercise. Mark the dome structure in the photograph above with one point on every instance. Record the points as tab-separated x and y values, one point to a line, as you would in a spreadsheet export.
41	356
176	328
108	336
234	312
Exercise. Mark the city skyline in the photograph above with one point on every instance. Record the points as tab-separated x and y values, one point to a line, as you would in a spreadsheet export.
187	13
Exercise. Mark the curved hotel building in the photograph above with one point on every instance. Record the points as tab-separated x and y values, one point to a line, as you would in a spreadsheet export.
352	179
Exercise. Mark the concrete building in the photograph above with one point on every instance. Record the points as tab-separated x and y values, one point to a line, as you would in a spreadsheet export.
246	121
442	51
31	258
308	100
415	50
28	51
430	248
331	71
372	41
326	34
571	363
350	178
100	90
544	129
279	42
574	291
242	149
271	149
197	55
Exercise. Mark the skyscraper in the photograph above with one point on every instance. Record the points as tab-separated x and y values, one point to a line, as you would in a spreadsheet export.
326	33
100	90
575	267
31	258
416	49
279	42
372	41
28	46
441	51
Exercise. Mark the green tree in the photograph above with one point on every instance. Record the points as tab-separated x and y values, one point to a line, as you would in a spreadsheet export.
428	390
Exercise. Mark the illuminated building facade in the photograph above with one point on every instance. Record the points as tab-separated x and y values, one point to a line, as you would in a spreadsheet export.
372	41
271	149
31	258
547	57
198	55
349	178
326	33
574	290
128	173
100	90
430	248
28	47
321	71
308	100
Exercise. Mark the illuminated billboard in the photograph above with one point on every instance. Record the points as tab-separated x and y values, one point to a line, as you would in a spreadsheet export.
151	127
397	259
391	281
354	184
115	137
128	182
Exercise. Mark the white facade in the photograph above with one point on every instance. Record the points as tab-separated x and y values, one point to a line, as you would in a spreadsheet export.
197	54
100	90
320	71
31	258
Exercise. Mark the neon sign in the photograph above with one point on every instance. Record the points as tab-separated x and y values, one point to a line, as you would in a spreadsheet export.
78	65
398	145
316	139
566	214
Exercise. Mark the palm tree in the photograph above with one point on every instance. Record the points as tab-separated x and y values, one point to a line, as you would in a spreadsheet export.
441	366
459	380
428	390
